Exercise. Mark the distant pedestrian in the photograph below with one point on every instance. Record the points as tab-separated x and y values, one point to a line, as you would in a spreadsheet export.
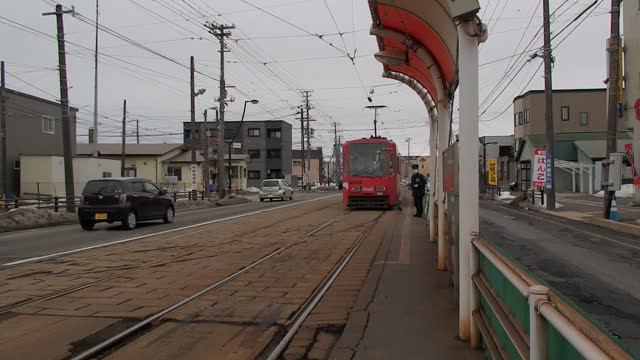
418	185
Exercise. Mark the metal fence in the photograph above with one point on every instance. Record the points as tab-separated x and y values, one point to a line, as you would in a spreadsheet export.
56	203
520	317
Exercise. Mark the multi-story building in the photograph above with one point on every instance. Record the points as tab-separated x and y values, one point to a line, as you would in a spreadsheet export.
500	149
268	144
34	127
314	166
580	125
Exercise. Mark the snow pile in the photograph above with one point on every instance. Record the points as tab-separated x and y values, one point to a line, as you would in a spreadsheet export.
233	199
505	195
31	217
626	191
252	189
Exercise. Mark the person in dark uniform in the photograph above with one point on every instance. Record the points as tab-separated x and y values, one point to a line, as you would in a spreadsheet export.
418	185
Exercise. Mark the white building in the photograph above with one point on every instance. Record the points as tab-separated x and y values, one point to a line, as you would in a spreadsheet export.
44	175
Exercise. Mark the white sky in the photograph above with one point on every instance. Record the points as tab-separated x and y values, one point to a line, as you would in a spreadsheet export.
157	90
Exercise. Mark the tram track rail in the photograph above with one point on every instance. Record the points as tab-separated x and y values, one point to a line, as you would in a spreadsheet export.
194	249
292	326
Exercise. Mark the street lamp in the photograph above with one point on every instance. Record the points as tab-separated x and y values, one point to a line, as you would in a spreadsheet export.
244	110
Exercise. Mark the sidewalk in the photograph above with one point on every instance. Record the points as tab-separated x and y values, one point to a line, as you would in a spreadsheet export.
405	308
588	209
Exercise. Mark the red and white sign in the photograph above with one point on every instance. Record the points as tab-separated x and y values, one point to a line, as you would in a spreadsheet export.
539	168
628	149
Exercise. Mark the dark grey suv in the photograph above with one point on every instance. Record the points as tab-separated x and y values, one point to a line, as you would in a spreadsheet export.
126	200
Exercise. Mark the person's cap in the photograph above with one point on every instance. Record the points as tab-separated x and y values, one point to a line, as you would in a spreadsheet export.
414	166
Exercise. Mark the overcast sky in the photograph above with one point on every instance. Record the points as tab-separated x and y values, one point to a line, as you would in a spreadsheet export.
157	88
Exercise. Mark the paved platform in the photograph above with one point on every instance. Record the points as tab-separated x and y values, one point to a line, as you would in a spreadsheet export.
405	308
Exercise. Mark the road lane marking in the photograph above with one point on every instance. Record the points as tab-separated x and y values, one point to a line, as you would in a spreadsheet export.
577	229
43	257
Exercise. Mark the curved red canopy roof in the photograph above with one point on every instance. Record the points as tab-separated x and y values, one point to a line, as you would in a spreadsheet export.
428	23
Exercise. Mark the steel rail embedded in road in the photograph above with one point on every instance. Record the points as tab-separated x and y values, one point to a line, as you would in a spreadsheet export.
198	248
126	333
306	311
44	257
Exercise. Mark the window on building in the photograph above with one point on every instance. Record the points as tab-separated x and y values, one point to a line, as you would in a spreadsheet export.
274	173
274	133
130	172
526	116
564	113
584	118
254	132
254	153
106	174
520	118
16	165
515	119
297	162
254	174
274	154
48	124
175	171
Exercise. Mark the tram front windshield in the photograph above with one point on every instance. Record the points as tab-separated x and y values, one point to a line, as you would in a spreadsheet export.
368	159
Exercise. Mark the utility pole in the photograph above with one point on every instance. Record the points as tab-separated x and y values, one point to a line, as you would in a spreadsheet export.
548	91
192	139
408	140
612	104
336	152
204	133
64	104
137	131
304	161
221	33
95	91
124	139
3	131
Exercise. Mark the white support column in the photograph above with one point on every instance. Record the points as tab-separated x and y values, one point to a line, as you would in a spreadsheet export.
591	180
573	179
444	116
468	177
433	175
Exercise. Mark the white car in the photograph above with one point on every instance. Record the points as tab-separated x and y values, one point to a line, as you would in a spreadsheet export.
275	189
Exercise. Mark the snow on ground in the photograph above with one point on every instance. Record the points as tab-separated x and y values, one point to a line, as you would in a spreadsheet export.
625	192
505	195
30	217
252	189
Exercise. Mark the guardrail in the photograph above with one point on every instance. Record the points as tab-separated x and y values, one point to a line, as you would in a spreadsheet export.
517	317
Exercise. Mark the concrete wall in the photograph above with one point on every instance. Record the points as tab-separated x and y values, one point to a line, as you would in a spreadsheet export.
45	174
24	131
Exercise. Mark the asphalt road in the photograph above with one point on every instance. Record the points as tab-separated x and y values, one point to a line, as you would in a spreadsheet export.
596	268
27	244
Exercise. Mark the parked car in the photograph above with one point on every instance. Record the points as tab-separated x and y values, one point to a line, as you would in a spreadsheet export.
126	200
275	189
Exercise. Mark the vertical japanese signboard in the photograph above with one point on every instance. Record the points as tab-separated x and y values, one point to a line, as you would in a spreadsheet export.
492	172
548	170
539	168
194	178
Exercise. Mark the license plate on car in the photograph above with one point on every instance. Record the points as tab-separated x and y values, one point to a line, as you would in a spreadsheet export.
101	216
379	193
